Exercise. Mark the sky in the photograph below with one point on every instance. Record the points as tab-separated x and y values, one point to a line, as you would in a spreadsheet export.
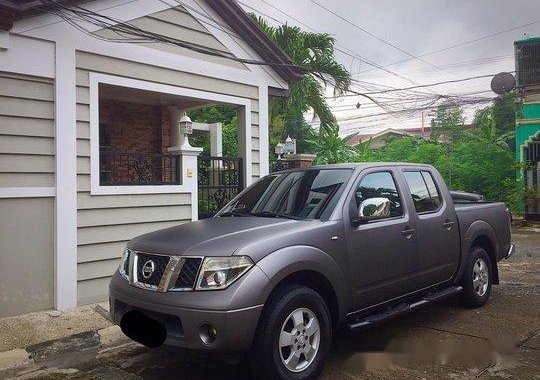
414	28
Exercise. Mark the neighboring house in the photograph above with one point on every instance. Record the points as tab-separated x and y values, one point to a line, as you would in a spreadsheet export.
527	54
379	139
89	143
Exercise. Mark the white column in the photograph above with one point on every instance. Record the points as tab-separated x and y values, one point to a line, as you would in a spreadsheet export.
216	139
264	140
188	167
244	142
174	116
65	260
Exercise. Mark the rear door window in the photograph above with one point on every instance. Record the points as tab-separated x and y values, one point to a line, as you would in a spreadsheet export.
424	192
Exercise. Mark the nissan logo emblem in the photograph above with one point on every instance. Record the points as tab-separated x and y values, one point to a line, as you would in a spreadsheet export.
148	269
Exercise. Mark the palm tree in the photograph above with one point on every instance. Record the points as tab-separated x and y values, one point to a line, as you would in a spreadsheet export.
315	53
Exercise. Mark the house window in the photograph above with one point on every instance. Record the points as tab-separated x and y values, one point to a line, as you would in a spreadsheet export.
134	135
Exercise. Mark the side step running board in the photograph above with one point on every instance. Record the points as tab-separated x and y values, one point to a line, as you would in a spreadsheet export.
392	312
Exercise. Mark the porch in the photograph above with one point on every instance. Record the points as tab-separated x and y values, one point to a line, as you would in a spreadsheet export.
142	146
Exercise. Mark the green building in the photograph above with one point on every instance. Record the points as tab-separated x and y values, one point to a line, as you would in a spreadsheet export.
527	54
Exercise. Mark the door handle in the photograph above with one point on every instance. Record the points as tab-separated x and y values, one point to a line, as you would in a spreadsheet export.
408	232
448	225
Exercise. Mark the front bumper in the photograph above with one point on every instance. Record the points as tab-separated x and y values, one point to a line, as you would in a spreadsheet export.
233	312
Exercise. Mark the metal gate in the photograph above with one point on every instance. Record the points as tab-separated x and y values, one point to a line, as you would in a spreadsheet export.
532	174
220	179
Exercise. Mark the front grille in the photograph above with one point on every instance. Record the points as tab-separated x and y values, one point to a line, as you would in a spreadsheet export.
160	263
188	274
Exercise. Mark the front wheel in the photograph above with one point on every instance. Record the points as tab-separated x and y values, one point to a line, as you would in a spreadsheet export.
477	278
293	337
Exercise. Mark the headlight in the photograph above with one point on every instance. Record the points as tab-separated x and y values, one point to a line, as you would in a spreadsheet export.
220	272
124	264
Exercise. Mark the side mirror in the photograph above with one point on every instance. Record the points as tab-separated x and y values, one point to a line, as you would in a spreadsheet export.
373	209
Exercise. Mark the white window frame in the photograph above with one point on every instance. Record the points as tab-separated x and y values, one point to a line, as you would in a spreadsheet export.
95	79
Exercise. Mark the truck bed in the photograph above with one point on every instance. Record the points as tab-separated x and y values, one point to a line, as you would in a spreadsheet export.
493	215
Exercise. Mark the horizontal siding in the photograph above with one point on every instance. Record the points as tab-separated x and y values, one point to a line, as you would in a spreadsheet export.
116	216
25	89
10	144
83	130
180	16
85	201
26	180
256	171
91	291
92	62
177	31
178	24
109	234
97	269
255	143
39	109
22	126
19	163
97	252
254	118
27	146
83	148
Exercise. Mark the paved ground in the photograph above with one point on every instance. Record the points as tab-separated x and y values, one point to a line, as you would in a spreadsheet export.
499	341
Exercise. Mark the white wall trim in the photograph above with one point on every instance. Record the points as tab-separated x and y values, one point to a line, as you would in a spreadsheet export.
96	79
27	192
263	132
65	259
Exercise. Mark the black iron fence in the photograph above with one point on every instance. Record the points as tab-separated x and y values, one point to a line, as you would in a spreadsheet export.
220	179
131	169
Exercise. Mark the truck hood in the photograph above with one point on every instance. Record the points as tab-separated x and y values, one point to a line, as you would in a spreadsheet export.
215	236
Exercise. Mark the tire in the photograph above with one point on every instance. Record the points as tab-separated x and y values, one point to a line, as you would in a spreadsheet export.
268	360
477	278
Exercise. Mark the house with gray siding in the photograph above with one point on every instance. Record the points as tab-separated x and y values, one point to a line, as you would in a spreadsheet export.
90	151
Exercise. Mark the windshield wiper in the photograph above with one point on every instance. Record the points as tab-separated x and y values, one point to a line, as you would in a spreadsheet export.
272	214
233	213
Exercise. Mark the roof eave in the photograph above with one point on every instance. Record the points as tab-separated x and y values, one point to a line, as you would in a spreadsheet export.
245	26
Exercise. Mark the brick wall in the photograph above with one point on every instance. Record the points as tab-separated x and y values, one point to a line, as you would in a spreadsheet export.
134	128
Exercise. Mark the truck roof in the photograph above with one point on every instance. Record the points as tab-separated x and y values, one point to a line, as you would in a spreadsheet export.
355	165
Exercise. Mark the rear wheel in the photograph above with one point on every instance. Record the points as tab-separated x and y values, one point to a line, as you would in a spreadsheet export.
293	337
477	278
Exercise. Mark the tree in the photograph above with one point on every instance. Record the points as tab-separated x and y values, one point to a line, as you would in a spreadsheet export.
497	122
447	125
332	149
474	165
314	52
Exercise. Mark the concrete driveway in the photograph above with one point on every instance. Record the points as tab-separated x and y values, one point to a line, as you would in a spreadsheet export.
446	341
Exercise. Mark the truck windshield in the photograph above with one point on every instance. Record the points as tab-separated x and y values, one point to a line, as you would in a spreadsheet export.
302	194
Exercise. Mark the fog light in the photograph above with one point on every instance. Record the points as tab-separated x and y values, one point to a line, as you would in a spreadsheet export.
208	333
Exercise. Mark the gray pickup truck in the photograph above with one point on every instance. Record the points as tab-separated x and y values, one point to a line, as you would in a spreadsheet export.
303	252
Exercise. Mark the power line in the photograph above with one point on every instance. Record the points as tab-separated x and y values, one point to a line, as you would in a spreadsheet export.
461	44
129	33
379	38
354	55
